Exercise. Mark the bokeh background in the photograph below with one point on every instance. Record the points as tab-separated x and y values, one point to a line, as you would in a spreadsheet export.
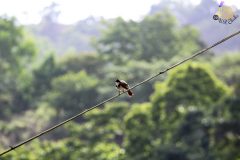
60	57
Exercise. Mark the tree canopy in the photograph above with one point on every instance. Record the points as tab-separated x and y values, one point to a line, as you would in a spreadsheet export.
190	113
155	37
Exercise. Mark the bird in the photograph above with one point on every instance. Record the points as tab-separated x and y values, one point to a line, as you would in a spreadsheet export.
122	86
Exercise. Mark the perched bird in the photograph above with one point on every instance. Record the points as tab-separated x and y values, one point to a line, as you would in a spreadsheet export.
123	86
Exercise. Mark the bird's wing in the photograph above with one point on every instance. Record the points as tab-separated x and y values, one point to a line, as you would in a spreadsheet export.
124	84
122	81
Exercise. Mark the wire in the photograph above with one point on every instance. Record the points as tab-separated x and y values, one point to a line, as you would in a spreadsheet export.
114	97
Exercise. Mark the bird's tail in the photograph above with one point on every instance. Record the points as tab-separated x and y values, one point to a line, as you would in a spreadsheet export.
130	93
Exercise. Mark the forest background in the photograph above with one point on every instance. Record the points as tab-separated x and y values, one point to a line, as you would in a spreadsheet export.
51	71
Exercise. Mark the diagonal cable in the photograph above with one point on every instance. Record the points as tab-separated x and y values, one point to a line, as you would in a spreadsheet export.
114	97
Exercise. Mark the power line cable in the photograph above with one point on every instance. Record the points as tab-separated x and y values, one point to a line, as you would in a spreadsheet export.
114	97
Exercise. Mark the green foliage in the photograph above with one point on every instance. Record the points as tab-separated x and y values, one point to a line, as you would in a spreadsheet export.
67	149
15	49
181	110
138	127
169	127
227	67
71	92
169	152
155	37
184	86
40	118
193	134
227	124
158	37
15	53
43	76
191	42
91	63
120	37
102	125
191	115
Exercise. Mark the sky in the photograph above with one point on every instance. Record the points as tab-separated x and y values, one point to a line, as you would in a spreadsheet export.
29	11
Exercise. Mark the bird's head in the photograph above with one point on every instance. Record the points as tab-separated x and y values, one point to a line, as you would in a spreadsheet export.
117	81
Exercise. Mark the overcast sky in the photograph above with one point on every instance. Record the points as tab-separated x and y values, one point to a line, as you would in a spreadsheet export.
28	11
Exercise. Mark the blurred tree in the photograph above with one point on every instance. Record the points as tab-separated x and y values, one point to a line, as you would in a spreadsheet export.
49	23
193	134
227	126
168	152
23	126
181	108
191	115
72	92
120	38
70	149
91	63
158	37
191	43
227	67
16	53
42	77
101	138
138	129
155	37
51	13
102	125
188	86
227	112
